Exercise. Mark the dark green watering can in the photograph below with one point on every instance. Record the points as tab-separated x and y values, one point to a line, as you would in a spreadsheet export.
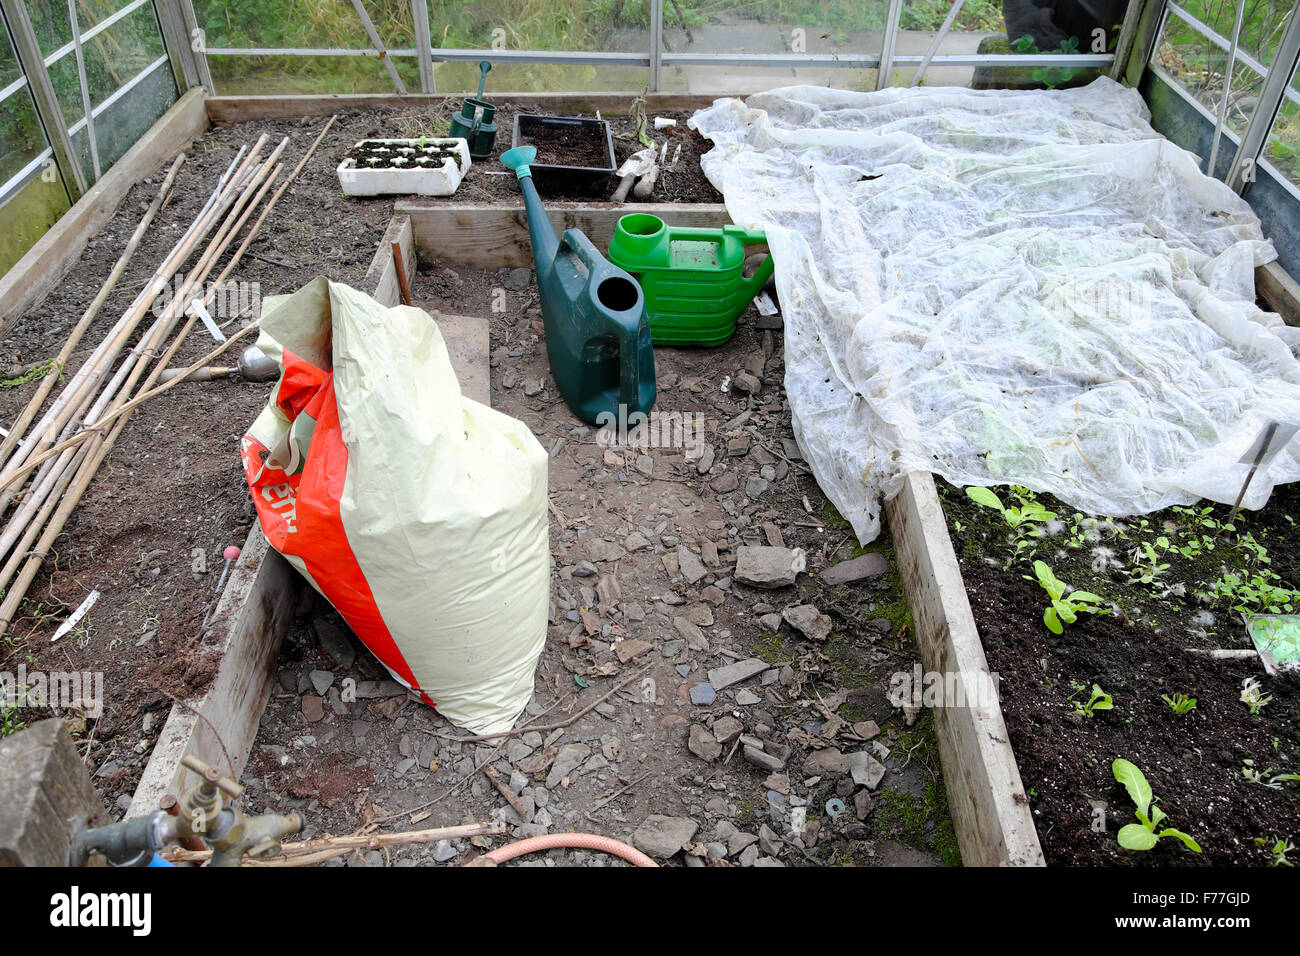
597	331
693	279
474	121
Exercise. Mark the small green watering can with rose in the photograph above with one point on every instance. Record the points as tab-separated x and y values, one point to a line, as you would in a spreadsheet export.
693	278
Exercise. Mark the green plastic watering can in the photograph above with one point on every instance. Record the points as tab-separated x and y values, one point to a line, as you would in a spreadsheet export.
693	279
597	331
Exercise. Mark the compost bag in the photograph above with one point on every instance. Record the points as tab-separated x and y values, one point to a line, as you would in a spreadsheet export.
418	513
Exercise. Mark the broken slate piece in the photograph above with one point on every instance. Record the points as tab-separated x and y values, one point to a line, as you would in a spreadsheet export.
702	695
661	837
566	761
766	567
627	650
689	564
812	622
703	744
334	643
746	697
867	565
760	758
728	674
867	771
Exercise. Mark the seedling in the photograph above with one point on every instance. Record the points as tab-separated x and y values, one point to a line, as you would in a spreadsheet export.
1266	778
1144	835
1065	609
1148	565
1279	849
1028	511
1179	703
1100	700
1253	696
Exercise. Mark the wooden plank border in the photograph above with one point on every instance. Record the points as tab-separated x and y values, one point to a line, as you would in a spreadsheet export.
223	110
55	253
381	277
1280	292
250	620
496	235
990	811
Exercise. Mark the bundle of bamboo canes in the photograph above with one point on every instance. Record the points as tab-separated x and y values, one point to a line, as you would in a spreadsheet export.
48	466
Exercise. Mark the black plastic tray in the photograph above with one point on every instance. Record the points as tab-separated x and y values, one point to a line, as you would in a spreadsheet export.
589	179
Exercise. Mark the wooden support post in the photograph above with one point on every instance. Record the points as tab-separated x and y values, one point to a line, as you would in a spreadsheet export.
44	788
423	45
180	48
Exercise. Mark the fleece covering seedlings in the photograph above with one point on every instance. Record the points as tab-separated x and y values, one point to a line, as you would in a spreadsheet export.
421	515
1008	287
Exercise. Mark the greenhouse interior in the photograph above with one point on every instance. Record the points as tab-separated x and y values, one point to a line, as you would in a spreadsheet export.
900	400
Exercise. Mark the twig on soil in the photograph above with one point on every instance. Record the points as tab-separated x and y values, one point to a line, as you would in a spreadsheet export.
314	851
547	727
503	788
614	796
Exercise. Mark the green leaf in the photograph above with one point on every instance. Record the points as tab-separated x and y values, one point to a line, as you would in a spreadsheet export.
1053	625
1134	782
1100	699
1136	837
1156	816
982	496
1191	844
1086	597
1065	612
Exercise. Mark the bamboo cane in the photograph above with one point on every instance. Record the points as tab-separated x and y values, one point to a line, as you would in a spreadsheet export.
17	430
94	368
97	448
131	368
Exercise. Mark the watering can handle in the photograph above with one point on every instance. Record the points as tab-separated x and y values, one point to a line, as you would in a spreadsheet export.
629	367
751	237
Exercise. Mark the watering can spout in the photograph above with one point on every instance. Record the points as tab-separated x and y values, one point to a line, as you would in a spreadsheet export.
545	243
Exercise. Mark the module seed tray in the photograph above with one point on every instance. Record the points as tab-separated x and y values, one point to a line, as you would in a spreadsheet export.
404	167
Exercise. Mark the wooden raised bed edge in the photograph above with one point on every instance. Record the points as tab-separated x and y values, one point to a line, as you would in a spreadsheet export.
55	253
253	614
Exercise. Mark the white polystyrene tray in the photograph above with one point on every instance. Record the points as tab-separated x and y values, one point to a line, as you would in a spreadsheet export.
432	181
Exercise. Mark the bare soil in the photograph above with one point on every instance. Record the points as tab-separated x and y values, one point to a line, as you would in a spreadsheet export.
815	694
1194	761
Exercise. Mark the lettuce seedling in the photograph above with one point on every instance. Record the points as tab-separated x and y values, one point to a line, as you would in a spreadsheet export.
1144	835
1100	700
1179	703
1065	609
1015	517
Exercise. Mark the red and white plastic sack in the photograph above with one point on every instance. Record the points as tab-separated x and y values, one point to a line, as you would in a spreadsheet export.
418	513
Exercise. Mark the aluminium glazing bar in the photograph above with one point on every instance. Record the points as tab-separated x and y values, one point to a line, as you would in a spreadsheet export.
85	90
1222	117
378	43
935	43
892	18
656	43
120	92
424	45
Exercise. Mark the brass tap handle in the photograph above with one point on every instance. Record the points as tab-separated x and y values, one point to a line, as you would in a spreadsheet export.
212	775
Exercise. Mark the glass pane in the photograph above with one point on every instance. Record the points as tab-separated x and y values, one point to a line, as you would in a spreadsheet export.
29	214
38	203
112	57
613	26
127	118
774	26
1198	64
10	69
1282	149
50	23
1261	27
22	138
719	80
253	75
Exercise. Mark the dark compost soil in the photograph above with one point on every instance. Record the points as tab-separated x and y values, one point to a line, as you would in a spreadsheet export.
488	181
378	154
1193	761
